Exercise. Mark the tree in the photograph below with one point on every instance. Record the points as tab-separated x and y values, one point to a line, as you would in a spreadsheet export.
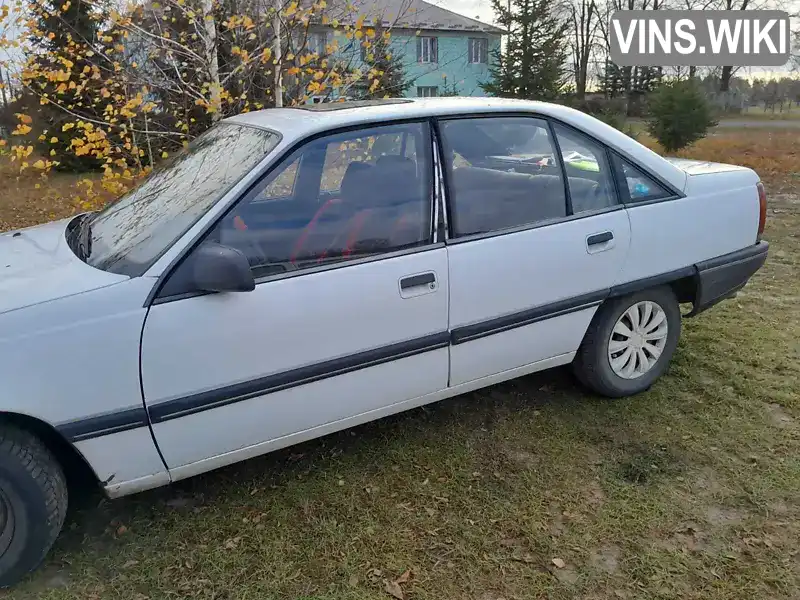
449	89
583	17
129	86
386	73
626	81
532	64
63	41
679	114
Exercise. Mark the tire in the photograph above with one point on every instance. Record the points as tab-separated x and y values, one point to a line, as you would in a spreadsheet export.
593	364
33	502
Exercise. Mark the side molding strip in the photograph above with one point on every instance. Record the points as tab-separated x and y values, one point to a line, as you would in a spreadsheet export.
467	333
181	407
100	425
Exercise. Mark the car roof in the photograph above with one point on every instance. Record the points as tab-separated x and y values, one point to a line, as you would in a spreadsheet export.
297	123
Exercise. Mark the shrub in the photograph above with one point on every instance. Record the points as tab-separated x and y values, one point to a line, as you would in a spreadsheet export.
679	115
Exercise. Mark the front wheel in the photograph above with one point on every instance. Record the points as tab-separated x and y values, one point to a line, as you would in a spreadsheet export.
629	343
33	502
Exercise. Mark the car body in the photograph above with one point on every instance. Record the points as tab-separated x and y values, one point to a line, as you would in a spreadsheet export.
261	290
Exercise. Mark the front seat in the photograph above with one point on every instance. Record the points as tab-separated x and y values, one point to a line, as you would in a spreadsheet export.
389	215
317	236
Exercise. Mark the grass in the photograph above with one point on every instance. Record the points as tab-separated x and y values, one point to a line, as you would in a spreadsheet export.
530	489
758	113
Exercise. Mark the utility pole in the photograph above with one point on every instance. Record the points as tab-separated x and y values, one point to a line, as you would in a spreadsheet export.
277	51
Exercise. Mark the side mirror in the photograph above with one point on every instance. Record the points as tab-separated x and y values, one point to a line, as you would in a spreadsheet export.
219	268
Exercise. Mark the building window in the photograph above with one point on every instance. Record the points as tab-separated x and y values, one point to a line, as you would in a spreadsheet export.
427	50
427	91
318	43
479	50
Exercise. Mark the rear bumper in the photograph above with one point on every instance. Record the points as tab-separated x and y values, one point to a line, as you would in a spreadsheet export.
721	277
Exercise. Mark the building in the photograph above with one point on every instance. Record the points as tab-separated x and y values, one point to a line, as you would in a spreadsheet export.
443	52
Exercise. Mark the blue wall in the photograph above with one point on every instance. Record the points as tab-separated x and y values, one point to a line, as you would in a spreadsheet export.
453	59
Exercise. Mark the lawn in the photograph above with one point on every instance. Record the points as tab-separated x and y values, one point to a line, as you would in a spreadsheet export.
530	489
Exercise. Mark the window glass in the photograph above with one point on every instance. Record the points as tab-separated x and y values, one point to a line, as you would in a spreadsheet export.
502	173
427	91
352	195
588	172
283	185
478	50
129	235
427	49
640	187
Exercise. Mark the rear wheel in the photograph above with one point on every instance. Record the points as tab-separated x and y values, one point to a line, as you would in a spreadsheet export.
33	502
629	343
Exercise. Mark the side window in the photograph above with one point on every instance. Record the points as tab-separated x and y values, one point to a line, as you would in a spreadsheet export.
588	171
283	185
337	198
502	173
636	186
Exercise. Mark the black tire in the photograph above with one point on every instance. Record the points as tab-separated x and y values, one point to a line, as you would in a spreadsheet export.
33	502
592	366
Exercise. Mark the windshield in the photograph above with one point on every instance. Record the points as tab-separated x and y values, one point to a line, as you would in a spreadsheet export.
131	234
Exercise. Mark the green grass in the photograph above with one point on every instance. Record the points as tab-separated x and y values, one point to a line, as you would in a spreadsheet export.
689	491
758	113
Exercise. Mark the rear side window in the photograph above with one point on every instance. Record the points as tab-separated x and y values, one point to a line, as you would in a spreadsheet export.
588	171
502	174
636	186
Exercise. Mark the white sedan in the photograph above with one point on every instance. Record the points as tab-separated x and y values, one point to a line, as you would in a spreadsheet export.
302	270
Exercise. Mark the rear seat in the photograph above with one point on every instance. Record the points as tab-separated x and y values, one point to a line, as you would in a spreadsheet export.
487	199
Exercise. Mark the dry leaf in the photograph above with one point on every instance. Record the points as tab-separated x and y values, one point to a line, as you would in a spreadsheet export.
404	577
231	543
353	581
130	563
559	563
393	589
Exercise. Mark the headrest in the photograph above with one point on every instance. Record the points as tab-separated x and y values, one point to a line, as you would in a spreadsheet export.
355	182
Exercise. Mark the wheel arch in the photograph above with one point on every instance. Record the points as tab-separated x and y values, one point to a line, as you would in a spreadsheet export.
685	284
76	468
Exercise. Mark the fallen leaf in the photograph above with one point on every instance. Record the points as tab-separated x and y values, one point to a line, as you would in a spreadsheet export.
404	577
559	563
393	589
230	544
353	581
130	563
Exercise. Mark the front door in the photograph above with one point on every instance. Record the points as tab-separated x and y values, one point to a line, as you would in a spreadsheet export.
530	258
348	319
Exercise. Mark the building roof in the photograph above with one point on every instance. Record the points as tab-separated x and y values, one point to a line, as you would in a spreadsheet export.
298	123
418	14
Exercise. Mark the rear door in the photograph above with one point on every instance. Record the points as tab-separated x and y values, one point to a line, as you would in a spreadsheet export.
532	253
348	320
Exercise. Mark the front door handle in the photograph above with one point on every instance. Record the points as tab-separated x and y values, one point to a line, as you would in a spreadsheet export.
599	238
413	281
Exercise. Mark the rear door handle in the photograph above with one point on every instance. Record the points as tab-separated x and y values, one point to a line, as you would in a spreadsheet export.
599	238
415	281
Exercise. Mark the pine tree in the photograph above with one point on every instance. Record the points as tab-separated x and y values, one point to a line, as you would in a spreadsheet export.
385	66
533	63
61	65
